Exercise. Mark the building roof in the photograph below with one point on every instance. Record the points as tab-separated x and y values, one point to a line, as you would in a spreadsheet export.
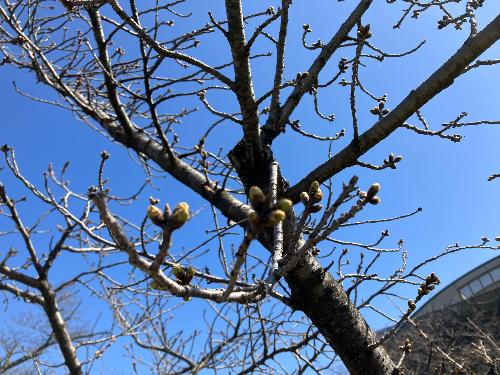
475	283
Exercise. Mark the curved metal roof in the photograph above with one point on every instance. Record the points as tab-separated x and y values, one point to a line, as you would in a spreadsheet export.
482	279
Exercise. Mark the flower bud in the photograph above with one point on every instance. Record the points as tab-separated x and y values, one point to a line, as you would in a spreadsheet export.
375	200
411	305
189	274
284	204
256	195
373	190
314	187
318	196
180	214
435	279
304	197
191	271
275	217
178	271
155	215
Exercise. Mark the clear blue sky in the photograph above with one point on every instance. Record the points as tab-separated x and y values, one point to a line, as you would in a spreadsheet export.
447	179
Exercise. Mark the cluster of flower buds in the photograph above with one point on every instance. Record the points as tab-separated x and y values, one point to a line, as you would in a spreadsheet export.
364	32
166	218
428	285
201	143
201	94
486	240
301	77
343	82
411	305
183	276
307	28
312	198
476	3
443	22
318	44
343	65
458	22
406	347
270	11
379	110
392	161
371	195
105	155
264	213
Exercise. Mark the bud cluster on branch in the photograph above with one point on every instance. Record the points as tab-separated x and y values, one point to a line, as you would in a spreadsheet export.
264	213
166	218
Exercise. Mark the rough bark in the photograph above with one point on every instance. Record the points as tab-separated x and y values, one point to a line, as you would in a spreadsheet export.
323	300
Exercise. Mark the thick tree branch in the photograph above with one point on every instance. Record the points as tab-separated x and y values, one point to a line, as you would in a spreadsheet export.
437	82
230	206
243	76
271	130
60	329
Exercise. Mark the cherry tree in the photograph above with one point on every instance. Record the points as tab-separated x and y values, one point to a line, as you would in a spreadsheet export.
143	75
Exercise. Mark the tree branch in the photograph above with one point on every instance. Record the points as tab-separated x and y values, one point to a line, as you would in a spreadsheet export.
437	82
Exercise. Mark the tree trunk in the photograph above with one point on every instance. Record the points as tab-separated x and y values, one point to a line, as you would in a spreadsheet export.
324	301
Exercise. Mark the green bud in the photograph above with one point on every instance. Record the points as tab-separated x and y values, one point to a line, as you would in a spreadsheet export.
275	217
411	305
318	196
284	204
180	214
155	215
256	195
178	271
190	272
304	198
314	187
